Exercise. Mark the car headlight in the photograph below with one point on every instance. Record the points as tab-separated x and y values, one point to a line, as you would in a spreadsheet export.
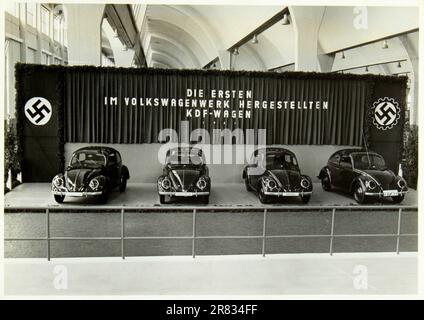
270	184
58	182
305	183
94	184
201	183
401	183
165	183
370	184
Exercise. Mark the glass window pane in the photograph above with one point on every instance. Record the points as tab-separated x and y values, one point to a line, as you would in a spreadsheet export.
30	56
56	28
45	25
31	9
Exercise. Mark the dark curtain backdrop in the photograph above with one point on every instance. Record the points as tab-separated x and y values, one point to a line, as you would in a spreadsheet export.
88	120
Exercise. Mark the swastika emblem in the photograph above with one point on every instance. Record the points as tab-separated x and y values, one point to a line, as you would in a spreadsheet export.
386	113
38	111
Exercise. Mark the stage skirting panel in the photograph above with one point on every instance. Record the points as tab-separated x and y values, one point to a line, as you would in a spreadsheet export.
123	232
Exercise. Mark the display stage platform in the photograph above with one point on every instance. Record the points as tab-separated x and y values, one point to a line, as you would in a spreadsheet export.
35	195
235	222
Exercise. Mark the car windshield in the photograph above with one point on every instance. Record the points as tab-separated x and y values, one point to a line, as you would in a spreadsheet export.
88	159
184	157
283	161
365	161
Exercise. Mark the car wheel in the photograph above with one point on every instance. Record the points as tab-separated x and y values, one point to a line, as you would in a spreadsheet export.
246	183
325	182
262	197
103	198
305	198
123	185
205	199
398	199
359	194
58	198
162	199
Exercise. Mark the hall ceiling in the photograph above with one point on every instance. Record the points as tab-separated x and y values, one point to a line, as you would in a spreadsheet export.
192	36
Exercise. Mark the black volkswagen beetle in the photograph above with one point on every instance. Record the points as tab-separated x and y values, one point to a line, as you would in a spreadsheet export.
92	172
363	174
185	175
274	173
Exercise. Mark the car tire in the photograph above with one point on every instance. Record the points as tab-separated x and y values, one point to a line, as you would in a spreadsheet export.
103	198
123	184
205	200
58	198
398	199
162	199
305	198
325	182
246	183
262	197
359	194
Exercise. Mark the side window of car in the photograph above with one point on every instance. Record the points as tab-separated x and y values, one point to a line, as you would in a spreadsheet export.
345	162
335	159
260	160
112	159
253	159
118	158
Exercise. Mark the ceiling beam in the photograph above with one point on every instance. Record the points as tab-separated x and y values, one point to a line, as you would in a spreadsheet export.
263	27
376	40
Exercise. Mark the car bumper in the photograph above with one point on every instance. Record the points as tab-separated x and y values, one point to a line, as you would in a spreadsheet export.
78	194
287	194
386	193
184	193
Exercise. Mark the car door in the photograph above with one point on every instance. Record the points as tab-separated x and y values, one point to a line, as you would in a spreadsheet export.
252	170
333	167
346	173
114	168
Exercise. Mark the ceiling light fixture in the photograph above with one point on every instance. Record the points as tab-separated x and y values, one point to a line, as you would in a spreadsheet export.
343	55
115	33
399	65
385	45
255	39
235	51
285	21
366	69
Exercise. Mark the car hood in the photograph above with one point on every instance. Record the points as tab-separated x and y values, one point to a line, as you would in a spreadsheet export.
386	178
77	178
285	178
183	178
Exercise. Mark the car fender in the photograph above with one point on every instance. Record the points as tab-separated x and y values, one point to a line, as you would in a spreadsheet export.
356	181
261	181
309	179
244	175
103	181
323	171
125	172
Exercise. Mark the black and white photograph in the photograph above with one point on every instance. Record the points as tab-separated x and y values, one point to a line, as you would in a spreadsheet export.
211	149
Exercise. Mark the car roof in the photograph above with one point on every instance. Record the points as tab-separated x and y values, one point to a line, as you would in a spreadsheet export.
272	150
349	151
185	149
100	149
